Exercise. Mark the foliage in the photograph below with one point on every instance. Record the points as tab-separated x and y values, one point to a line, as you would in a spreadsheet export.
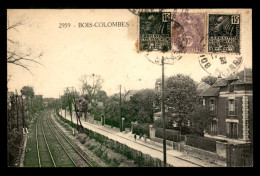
27	91
168	123
209	80
97	112
171	135
138	108
111	112
199	119
180	97
101	96
141	129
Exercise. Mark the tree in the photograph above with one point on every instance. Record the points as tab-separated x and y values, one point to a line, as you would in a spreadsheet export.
200	119
101	96
111	111
210	80
91	84
15	54
140	106
27	91
180	97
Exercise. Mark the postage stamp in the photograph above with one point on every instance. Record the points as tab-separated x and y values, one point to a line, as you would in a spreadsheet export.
188	33
154	31
224	33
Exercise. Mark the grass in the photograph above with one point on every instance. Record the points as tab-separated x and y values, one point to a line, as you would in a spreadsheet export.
31	156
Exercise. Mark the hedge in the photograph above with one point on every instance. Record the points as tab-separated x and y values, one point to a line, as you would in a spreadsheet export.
171	135
203	143
112	123
141	129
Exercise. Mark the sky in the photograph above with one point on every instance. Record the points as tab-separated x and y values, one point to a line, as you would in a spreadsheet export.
71	52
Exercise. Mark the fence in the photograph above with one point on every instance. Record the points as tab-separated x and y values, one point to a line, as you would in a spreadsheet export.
201	142
171	135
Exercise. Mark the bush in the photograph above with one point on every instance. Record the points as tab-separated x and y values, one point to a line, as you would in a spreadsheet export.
141	129
171	135
203	143
113	123
82	138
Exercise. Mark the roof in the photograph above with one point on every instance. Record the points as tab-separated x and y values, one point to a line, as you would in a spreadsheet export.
203	86
210	92
244	77
220	83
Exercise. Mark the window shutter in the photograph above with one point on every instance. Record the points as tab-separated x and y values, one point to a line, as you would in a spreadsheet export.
235	101
227	108
227	129
215	106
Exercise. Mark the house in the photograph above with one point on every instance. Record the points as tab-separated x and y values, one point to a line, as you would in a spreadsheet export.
202	86
231	103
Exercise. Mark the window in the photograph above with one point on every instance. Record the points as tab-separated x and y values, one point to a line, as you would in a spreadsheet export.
212	106
213	127
231	88
232	130
231	107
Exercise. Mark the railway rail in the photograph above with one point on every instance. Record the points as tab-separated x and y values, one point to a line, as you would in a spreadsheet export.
53	148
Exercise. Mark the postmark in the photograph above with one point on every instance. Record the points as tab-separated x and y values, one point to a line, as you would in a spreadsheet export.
138	11
155	31
224	33
220	65
188	33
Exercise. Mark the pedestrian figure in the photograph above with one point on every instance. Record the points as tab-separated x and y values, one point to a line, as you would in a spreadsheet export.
140	135
145	137
135	137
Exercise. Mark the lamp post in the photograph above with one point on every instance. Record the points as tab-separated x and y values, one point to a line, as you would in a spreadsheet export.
123	119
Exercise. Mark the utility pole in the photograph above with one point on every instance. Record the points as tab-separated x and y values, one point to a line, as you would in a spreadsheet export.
120	115
16	103
163	115
60	104
24	126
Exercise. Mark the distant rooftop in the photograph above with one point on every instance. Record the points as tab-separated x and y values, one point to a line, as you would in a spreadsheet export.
243	77
210	92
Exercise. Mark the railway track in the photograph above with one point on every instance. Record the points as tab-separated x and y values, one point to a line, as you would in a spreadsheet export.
53	148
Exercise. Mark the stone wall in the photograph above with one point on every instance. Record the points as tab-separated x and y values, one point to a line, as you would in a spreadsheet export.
221	149
205	155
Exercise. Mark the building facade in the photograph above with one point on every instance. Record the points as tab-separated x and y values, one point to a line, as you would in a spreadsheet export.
231	103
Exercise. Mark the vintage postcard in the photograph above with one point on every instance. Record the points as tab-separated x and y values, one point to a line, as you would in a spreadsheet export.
129	88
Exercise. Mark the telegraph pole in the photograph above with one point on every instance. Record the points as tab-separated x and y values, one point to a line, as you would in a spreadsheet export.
16	103
60	104
163	115
120	115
